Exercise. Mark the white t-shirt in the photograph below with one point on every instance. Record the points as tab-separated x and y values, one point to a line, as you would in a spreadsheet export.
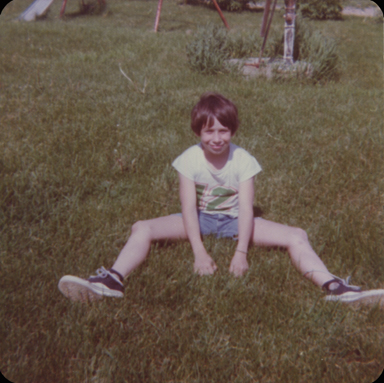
217	191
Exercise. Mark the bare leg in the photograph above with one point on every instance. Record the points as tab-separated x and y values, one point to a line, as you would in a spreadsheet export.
143	233
295	240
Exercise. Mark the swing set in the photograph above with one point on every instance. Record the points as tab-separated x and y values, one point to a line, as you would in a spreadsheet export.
40	6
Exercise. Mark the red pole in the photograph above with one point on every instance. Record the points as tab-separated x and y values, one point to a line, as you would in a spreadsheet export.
221	14
63	8
265	17
158	15
266	33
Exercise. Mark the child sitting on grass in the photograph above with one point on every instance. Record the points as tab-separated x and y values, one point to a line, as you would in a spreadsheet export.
216	193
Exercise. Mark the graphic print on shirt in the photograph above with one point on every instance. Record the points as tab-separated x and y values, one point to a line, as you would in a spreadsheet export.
218	198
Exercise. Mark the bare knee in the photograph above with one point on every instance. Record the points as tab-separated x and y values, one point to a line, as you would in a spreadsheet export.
141	229
298	237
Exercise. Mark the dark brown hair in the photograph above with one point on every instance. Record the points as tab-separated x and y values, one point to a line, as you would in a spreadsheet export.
214	105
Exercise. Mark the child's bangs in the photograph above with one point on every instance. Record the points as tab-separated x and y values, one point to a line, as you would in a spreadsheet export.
223	118
213	106
210	120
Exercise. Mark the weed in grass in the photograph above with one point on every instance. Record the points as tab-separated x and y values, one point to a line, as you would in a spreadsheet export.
207	52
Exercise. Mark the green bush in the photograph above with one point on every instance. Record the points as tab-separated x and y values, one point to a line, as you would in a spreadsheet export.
320	51
313	9
207	52
213	45
225	5
231	5
313	53
320	10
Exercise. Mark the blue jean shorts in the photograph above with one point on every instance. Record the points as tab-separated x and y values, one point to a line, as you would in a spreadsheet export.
220	225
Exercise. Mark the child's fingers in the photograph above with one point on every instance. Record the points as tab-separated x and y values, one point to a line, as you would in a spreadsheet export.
206	269
238	273
238	270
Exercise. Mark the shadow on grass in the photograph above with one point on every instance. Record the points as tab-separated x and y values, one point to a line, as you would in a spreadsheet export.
94	8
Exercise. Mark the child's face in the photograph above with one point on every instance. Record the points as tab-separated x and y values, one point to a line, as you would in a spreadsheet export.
216	139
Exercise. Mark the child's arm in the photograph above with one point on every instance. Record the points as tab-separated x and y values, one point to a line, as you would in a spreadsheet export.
239	264
204	264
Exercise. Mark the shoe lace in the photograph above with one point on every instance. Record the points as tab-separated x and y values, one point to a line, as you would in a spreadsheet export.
102	272
345	282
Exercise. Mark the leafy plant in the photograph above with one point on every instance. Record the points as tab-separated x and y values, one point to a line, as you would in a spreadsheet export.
207	52
213	45
318	50
232	5
225	5
320	10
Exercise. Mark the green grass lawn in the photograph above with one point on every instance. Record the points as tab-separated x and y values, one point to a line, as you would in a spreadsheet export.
84	153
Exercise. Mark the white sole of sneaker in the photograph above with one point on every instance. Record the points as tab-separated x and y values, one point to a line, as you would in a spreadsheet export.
78	289
369	297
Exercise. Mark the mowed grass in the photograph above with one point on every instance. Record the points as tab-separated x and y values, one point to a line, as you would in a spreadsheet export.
84	153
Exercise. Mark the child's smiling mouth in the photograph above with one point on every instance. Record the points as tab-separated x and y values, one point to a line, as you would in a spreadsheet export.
217	148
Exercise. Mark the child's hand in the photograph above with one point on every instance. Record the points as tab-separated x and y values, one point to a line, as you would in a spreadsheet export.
204	265
239	265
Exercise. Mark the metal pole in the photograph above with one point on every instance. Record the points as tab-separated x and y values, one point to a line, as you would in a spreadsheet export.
63	8
289	30
160	3
221	14
265	17
266	33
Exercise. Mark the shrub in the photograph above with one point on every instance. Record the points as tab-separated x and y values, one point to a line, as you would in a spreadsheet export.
313	53
313	9
320	10
225	5
231	5
207	52
320	51
213	45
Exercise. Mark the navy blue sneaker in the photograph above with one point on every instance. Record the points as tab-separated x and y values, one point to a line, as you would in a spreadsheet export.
104	284
339	290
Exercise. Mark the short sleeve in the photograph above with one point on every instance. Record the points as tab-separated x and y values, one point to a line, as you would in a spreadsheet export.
184	164
248	166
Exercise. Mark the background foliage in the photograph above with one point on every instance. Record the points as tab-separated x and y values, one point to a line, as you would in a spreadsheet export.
320	10
313	9
212	46
225	5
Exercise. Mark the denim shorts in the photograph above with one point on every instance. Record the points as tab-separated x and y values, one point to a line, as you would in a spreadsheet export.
220	225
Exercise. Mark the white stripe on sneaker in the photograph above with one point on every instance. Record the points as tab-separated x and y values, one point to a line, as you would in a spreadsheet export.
369	297
78	289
